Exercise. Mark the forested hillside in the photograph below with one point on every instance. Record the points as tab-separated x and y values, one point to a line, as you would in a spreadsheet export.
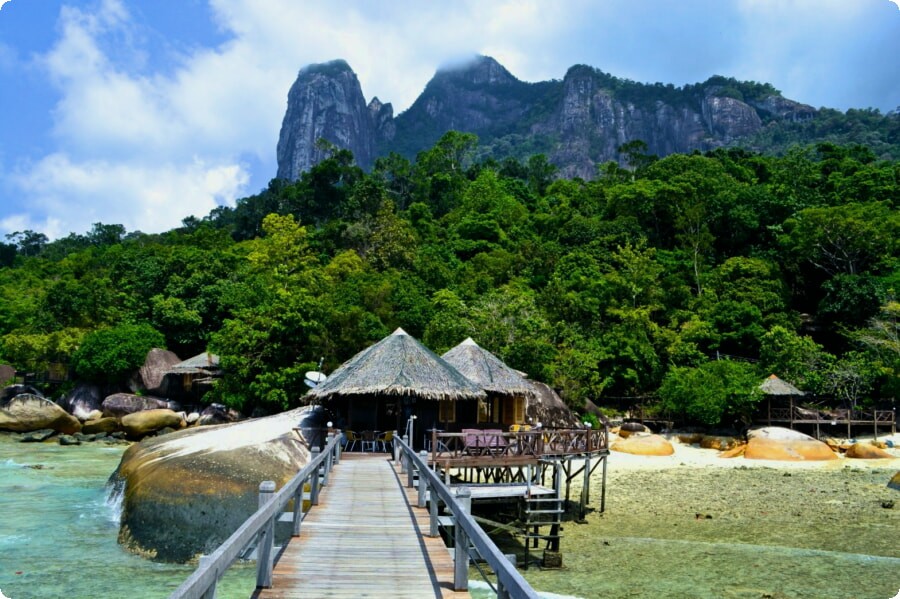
679	281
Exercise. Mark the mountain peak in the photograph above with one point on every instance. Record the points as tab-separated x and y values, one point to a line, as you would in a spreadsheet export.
331	68
477	69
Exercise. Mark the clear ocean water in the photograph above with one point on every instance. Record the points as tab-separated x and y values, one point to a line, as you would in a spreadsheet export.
58	529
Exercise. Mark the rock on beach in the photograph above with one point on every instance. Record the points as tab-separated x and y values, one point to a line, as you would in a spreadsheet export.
867	451
141	424
28	412
644	444
775	443
122	404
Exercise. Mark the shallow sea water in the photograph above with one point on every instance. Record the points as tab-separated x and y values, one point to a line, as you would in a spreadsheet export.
58	529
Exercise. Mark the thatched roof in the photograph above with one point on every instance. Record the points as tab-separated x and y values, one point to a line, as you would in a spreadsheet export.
204	361
487	370
775	386
397	365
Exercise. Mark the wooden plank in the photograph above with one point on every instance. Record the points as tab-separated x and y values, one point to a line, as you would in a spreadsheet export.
362	540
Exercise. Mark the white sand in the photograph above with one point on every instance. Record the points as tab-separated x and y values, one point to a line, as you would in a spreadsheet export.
696	457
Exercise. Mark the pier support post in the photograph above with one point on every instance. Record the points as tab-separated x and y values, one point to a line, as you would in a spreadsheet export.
603	487
586	486
209	593
461	543
266	540
423	485
314	480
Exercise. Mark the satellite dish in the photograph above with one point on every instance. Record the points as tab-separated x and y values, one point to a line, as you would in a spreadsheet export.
314	378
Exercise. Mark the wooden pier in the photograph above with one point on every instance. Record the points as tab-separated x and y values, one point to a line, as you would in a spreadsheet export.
363	540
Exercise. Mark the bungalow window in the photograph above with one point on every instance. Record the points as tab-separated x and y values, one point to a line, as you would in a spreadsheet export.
447	410
484	411
513	410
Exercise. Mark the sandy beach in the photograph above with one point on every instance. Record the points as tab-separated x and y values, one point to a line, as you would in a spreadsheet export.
694	524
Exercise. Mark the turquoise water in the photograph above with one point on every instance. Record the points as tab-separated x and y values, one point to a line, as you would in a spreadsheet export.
58	529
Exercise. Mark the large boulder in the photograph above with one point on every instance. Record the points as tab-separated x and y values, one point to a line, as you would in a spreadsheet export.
122	404
100	425
14	390
644	444
217	413
629	428
775	443
186	492
82	401
28	412
867	451
719	442
150	376
141	424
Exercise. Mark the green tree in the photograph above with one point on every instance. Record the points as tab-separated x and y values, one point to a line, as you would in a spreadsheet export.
111	355
718	392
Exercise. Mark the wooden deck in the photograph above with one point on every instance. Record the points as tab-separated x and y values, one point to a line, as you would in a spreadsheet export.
364	539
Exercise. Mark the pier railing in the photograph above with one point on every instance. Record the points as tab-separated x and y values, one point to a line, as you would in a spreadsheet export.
259	529
468	534
532	444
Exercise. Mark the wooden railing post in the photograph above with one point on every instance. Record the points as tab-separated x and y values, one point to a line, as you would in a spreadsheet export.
337	447
395	447
314	480
266	540
298	509
410	468
210	593
423	482
461	542
433	508
404	462
329	457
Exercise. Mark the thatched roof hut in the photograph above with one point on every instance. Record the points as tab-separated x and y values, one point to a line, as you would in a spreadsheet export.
487	370
775	386
401	366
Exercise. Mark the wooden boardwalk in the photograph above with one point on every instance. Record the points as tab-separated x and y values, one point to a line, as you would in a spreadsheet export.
364	539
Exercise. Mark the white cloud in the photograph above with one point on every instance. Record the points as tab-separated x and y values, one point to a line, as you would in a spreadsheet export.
74	195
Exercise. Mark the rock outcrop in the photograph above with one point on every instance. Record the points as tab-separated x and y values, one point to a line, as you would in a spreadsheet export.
28	412
186	492
867	451
774	443
578	122
644	444
327	102
151	375
894	483
122	404
141	424
82	401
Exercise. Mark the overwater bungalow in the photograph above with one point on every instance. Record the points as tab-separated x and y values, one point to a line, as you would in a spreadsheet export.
508	392
384	386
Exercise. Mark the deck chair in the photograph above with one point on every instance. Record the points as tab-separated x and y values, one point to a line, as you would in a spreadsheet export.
384	438
350	440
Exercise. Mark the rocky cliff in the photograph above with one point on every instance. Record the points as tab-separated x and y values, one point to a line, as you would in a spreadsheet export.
578	122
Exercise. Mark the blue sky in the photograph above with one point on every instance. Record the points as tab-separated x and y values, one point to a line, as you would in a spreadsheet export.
142	113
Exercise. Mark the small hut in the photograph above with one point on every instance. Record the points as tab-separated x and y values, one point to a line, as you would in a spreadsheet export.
508	392
784	394
381	387
191	378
